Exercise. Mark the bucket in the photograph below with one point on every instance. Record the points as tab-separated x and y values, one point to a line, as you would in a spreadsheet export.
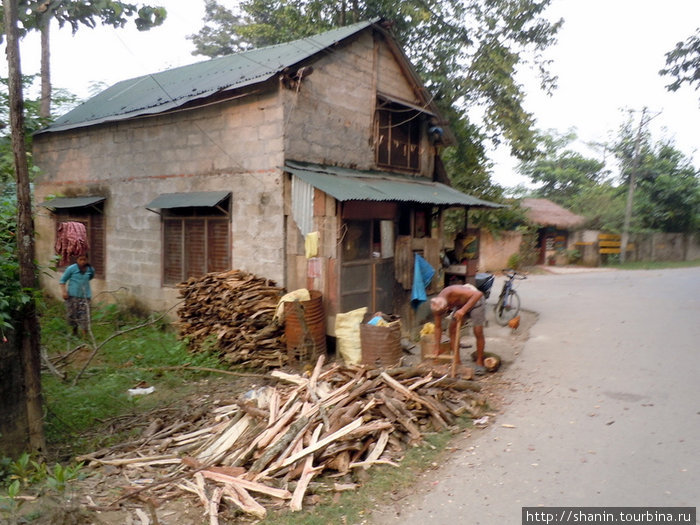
300	346
381	345
428	348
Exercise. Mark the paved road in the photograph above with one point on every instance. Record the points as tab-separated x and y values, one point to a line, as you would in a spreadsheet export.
605	407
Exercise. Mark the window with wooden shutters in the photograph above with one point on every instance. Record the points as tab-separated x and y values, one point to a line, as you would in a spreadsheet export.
94	221
397	136
194	245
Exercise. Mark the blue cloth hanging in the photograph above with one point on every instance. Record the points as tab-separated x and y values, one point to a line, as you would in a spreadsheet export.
422	275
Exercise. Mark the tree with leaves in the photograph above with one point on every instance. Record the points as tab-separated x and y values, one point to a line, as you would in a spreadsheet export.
562	172
683	63
667	196
467	52
37	15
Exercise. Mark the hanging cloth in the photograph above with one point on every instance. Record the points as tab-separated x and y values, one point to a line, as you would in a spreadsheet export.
71	241
422	275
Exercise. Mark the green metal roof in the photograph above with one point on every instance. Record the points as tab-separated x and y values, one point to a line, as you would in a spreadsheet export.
170	89
72	202
192	199
346	184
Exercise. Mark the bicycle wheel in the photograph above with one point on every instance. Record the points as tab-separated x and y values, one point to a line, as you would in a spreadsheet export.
508	309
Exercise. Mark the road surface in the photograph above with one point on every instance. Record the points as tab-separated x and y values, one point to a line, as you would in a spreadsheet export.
604	409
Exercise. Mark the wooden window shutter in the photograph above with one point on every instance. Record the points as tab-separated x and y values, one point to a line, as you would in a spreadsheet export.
96	239
172	251
218	246
195	248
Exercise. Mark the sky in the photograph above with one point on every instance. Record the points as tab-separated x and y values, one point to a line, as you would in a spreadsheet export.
606	59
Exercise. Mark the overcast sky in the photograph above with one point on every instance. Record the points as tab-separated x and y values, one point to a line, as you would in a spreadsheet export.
607	59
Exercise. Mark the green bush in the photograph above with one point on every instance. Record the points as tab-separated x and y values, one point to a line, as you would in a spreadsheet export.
515	261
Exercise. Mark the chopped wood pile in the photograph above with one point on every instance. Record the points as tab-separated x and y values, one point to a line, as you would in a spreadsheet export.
235	309
263	451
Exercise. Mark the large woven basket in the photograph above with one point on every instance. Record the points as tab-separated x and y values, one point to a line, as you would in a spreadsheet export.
381	345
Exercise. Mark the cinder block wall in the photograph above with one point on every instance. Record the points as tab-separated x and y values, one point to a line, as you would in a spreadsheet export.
331	115
235	146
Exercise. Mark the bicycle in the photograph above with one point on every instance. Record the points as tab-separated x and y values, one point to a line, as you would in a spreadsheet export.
508	304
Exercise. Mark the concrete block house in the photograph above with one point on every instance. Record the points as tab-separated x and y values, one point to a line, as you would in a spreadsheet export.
313	163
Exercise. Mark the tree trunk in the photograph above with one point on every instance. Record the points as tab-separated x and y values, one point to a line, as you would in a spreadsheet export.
45	108
28	333
13	407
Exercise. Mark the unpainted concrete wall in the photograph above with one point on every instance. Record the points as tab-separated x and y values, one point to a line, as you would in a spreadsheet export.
495	251
645	246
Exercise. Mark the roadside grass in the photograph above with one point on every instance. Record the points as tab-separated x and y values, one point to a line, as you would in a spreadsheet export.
138	357
653	265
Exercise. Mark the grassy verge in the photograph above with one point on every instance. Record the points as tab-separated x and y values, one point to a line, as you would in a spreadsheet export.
137	357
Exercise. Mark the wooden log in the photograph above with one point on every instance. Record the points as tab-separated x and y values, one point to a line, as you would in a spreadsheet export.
340	462
403	417
322	443
307	474
252	486
432	408
214	506
225	441
244	501
378	448
270	433
456	384
292	432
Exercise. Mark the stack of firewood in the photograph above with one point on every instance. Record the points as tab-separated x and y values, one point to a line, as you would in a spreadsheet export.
264	450
236	310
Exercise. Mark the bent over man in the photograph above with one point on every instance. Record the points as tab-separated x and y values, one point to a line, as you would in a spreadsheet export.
462	299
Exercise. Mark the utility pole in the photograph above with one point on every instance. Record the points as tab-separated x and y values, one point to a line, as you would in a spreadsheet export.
630	190
27	324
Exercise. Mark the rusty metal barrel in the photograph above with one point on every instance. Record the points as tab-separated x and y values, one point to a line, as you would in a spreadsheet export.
305	328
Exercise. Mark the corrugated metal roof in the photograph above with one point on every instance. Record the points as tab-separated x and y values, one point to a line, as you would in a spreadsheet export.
169	89
72	202
192	199
346	184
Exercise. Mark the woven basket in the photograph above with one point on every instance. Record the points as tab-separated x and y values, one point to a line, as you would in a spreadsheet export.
381	345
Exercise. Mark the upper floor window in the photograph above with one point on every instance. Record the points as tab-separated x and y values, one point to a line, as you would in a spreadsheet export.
397	134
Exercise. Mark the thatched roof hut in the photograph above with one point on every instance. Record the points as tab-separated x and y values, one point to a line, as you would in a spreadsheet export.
544	212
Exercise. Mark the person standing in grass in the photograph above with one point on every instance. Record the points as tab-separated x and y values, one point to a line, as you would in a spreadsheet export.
75	287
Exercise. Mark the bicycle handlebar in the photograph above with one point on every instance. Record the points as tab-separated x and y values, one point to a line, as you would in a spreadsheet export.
514	274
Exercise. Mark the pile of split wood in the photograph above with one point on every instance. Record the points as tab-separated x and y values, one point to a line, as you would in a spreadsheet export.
236	309
263	451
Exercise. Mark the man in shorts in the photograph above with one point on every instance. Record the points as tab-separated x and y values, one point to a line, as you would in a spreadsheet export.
462	299
75	288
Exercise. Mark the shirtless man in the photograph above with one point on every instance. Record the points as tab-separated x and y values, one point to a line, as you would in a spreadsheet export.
463	299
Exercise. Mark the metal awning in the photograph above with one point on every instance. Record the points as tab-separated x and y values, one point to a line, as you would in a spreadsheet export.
194	199
345	184
72	202
421	109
